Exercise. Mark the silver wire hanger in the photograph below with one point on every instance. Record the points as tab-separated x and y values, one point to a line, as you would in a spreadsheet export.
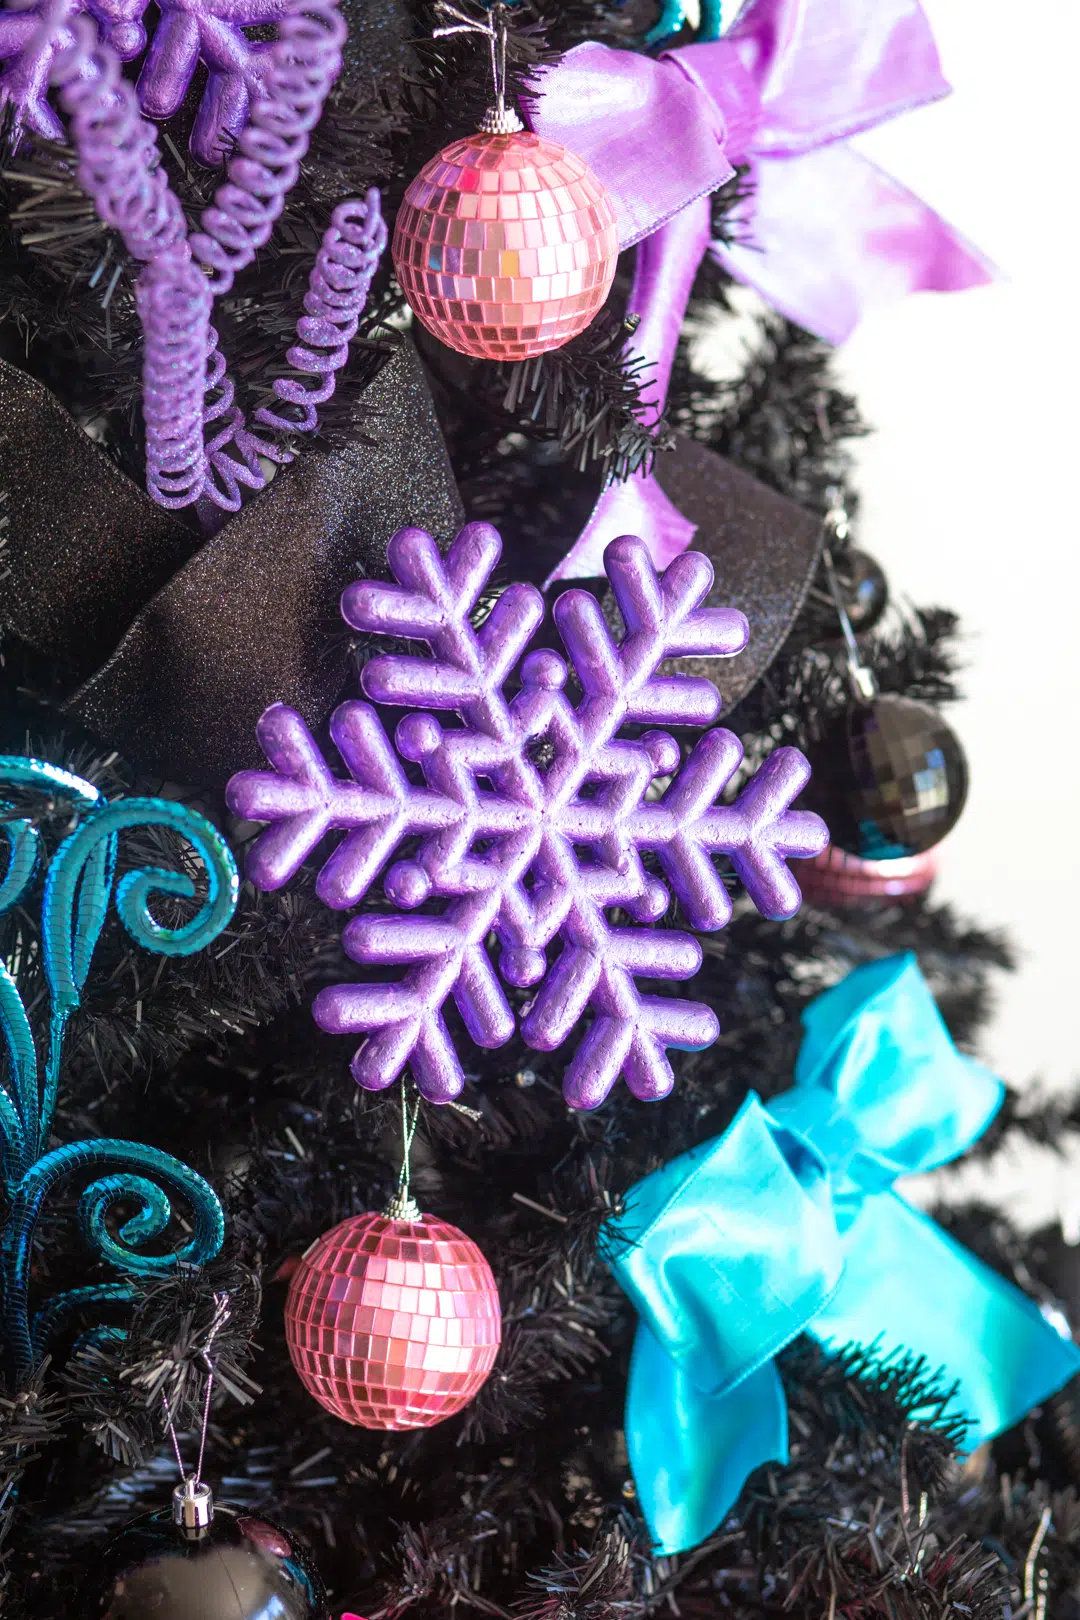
193	1500
499	119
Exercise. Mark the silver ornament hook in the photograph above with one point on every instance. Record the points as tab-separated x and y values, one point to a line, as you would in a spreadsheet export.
861	678
192	1500
402	1206
499	119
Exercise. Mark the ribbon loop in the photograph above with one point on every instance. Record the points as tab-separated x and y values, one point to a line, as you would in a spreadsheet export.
697	1259
831	236
645	128
877	1043
824	72
787	1223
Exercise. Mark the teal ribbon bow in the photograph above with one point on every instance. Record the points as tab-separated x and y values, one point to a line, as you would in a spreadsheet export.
789	1223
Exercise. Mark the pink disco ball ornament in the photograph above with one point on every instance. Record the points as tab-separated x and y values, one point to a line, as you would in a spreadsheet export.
505	245
393	1323
836	878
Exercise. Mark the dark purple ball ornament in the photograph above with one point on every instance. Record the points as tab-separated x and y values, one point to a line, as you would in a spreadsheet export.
235	1566
889	778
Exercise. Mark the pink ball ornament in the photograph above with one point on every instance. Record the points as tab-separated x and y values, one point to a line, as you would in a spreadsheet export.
505	245
837	878
393	1323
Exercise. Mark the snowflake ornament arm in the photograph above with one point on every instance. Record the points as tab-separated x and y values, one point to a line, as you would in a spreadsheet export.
33	37
534	857
188	32
210	31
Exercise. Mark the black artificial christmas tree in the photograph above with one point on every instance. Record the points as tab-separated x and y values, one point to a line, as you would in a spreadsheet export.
139	646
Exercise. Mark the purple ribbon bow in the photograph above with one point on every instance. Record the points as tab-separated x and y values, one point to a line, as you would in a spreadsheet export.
832	235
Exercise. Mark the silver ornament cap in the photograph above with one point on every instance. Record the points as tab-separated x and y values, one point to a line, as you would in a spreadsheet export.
193	1507
501	121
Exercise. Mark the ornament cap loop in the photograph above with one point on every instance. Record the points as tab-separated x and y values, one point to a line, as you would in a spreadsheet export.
501	121
403	1207
863	682
193	1507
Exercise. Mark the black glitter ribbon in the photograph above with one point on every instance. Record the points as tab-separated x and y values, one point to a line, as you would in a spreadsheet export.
764	550
174	646
185	643
84	544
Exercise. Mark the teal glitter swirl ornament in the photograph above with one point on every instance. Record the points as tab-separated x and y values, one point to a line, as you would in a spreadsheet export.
79	885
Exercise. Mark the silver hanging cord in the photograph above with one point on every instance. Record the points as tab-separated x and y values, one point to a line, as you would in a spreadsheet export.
402	1206
861	678
193	1501
499	119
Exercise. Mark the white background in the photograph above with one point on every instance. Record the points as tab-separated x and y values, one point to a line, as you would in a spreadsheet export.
970	501
969	484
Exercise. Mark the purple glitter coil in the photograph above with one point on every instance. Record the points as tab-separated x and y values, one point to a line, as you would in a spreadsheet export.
304	62
118	157
119	168
173	299
536	856
337	293
186	388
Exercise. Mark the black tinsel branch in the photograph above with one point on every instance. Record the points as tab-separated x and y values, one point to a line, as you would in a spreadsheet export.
784	418
914	652
124	1387
584	398
590	1584
29	1423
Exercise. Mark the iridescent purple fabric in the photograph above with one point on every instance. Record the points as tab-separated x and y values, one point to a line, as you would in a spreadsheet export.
830	235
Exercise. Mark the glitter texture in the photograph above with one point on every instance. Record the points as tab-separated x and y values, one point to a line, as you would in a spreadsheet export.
393	1324
505	245
764	550
527	856
247	620
83	551
835	878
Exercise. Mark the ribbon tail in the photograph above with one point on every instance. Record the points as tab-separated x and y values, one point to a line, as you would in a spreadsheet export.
835	237
908	1285
636	506
690	1452
667	263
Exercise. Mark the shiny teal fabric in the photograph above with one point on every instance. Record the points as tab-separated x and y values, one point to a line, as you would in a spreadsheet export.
788	1223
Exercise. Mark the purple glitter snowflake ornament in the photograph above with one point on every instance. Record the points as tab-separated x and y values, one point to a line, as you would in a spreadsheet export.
528	853
188	32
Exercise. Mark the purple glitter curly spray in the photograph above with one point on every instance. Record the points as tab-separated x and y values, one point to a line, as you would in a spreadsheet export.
304	62
337	293
186	389
119	168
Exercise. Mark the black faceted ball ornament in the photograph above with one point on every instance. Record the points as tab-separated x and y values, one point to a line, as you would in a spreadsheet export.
239	1568
889	779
